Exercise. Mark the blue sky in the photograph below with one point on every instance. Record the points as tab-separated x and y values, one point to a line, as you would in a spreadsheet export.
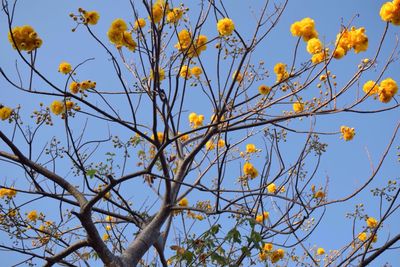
345	163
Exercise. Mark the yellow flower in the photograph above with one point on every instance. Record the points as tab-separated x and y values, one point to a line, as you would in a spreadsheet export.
25	38
250	170
221	143
263	256
304	28
91	17
267	247
108	227
57	107
128	41
185	72
390	12
139	23
210	145
371	88
318	57
184	40
87	84
106	237
372	222
196	120
260	218
161	74
116	32
69	105
9	193
5	113
298	107
251	148
183	202
264	90
225	26
158	10
174	15
271	188
196	71
32	216
238	76
277	255
160	137
362	236
347	133
319	194
314	46
320	251
387	90
74	87
64	67
280	71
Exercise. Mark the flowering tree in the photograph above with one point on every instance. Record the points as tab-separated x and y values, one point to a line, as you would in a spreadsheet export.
187	163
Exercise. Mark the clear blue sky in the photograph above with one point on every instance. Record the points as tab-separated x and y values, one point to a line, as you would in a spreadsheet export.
345	163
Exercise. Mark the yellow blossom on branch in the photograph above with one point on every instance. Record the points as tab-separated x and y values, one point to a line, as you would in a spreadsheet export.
249	170
5	113
64	67
371	222
347	133
25	38
32	216
225	26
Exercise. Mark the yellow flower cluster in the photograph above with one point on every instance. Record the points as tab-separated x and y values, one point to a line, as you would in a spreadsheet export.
58	107
271	188
372	222
260	218
161	74
350	39
210	145
76	87
186	44
196	120
157	11
320	251
5	113
119	35
386	90
25	38
237	76
91	17
249	170
251	148
195	216
304	28
315	48
160	137
185	72
196	71
64	67
298	107
281	72
9	193
139	23
174	15
274	256
32	216
390	12
183	202
347	133
225	26
264	90
319	194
